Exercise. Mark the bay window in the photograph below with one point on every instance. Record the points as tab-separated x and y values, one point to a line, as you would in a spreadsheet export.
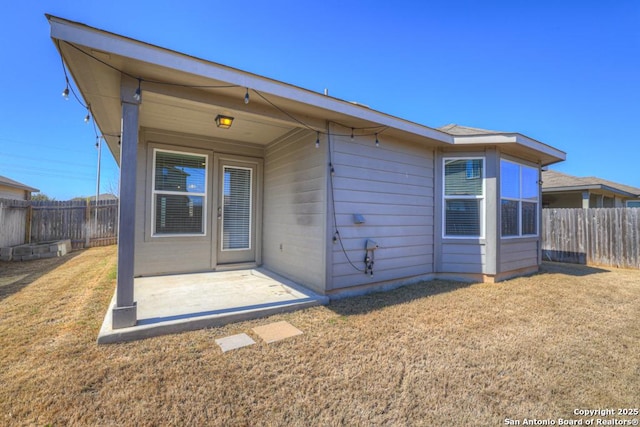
519	199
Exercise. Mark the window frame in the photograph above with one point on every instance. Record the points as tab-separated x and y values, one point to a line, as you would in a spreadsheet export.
482	198
154	192
520	200
634	201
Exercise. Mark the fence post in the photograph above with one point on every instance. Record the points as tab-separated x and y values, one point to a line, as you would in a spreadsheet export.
87	224
27	225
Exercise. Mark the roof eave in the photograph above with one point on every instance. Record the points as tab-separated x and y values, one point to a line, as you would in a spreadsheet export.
552	155
81	34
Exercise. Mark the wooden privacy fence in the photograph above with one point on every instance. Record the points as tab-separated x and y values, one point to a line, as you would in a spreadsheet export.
75	220
13	222
600	236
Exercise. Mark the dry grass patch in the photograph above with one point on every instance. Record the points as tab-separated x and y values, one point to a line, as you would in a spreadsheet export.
431	354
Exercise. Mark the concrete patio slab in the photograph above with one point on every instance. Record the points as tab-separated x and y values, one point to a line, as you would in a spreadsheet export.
234	342
184	302
276	331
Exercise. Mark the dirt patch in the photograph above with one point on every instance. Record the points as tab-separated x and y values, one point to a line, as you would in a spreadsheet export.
438	353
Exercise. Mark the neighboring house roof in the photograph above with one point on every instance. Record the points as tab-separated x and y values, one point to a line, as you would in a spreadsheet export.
554	181
7	182
219	87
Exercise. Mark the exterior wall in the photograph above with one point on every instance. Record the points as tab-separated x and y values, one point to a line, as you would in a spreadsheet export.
463	256
518	253
166	255
12	193
392	187
295	207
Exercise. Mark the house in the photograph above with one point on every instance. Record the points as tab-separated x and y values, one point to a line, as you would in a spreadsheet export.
560	190
14	212
221	168
14	190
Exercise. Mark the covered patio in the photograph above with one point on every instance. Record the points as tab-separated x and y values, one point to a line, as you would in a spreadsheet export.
184	302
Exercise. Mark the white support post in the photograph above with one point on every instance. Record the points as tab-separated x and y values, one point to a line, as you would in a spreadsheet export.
124	312
585	199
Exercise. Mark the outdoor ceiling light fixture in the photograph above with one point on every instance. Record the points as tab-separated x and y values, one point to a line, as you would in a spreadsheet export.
224	122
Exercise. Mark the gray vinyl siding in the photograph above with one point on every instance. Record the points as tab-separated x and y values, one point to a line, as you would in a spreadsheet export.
167	255
392	187
295	206
518	253
462	257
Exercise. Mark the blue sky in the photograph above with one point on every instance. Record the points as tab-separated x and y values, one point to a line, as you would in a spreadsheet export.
566	73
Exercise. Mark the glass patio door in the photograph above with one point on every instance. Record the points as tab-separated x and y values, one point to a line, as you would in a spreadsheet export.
236	212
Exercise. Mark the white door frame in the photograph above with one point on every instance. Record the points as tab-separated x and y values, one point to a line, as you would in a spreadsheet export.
257	165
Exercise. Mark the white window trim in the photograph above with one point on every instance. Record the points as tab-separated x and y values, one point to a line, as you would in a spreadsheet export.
250	210
180	193
520	200
628	202
481	198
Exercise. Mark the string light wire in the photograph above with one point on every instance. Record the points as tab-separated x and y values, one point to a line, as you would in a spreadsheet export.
336	235
377	129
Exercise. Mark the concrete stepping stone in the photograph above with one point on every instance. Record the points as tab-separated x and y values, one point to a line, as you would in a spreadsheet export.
234	342
276	331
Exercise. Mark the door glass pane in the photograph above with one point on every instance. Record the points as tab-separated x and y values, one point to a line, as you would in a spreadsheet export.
236	202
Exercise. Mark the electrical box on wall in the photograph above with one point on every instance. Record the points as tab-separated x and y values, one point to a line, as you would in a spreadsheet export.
358	218
371	245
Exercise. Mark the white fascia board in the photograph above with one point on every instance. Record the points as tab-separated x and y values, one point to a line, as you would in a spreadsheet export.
512	138
92	38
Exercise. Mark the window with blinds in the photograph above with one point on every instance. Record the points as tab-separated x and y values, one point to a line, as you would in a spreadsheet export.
179	193
519	198
463	197
236	208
